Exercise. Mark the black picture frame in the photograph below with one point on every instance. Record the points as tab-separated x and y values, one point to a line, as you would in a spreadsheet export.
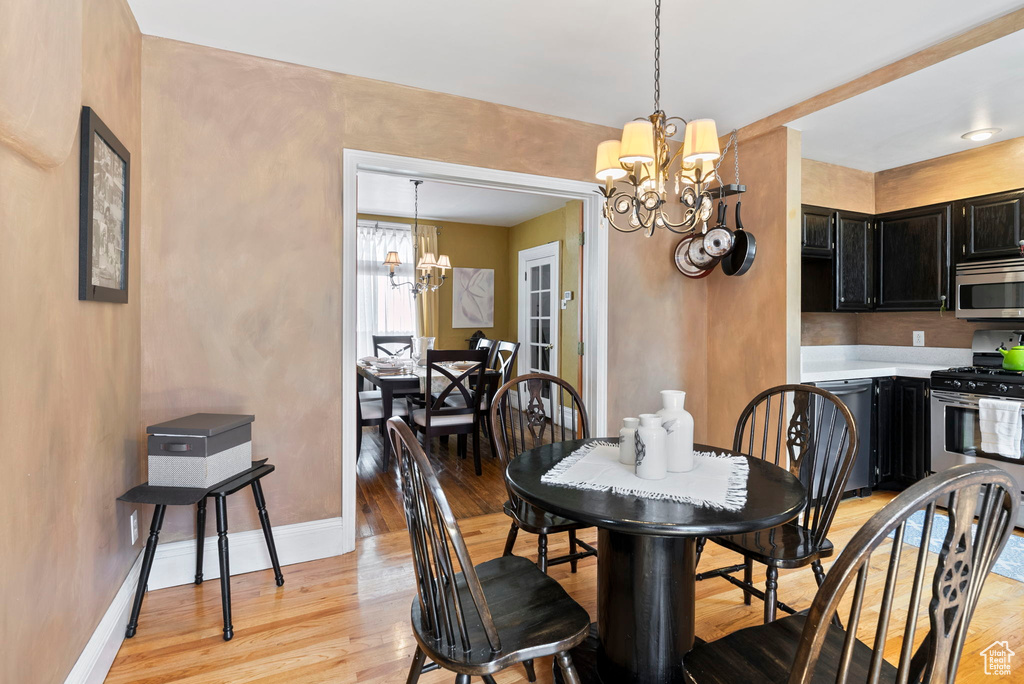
104	210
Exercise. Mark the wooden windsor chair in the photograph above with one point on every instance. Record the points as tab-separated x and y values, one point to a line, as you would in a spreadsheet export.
529	411
475	620
811	433
927	639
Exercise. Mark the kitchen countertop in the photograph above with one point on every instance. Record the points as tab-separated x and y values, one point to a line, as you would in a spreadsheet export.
850	362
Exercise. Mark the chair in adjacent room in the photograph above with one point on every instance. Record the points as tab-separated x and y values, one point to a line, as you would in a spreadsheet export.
528	411
811	433
486	344
438	418
392	345
370	412
902	597
475	620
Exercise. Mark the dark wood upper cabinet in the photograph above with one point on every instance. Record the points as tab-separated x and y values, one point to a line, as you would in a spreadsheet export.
988	227
914	261
854	262
816	231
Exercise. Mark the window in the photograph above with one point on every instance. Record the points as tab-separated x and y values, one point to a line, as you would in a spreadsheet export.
382	309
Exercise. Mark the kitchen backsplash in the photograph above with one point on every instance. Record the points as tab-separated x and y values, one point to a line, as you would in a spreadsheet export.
891	329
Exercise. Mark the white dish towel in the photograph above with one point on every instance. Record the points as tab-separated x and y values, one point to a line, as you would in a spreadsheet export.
1000	421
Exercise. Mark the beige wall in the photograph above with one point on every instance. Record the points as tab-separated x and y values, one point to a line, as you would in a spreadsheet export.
69	372
837	187
750	317
468	246
562	226
242	248
891	328
978	171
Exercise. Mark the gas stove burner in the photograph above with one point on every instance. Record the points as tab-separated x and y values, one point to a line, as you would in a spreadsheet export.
983	370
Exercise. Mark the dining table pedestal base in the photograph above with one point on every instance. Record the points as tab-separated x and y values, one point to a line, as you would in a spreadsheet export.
645	610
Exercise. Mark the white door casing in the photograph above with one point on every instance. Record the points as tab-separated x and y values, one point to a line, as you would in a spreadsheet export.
594	298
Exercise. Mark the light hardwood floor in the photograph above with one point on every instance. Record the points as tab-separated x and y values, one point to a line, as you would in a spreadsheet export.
345	619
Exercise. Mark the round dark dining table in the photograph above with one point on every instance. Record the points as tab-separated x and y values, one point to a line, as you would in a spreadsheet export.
646	555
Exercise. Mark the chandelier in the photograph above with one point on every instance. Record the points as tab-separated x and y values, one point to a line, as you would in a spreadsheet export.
427	262
644	158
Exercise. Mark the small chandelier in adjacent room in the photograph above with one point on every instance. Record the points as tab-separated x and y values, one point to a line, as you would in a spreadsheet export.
644	159
427	263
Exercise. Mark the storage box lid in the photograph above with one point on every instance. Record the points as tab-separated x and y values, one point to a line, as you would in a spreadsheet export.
201	424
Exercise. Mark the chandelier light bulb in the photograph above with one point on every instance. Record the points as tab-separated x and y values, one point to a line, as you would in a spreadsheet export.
637	143
608	166
700	142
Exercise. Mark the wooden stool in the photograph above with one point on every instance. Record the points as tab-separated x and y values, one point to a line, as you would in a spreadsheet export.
162	497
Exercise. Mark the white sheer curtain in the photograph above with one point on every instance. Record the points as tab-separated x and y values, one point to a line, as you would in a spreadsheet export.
382	309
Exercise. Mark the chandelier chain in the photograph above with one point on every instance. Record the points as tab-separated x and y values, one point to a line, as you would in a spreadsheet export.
657	55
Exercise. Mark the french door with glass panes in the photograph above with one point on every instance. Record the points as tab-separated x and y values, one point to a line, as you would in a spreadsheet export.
538	309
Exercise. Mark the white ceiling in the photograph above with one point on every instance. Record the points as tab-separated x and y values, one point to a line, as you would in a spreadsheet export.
590	60
924	115
390	195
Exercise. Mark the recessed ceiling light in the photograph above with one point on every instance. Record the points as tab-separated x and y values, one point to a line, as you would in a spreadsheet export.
980	134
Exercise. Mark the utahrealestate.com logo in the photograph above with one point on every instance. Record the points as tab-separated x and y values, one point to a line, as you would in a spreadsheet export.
997	658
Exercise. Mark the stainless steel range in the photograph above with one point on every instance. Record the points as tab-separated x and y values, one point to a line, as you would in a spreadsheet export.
955	429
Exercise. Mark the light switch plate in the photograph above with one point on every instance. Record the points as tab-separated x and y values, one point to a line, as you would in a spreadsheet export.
135	527
919	338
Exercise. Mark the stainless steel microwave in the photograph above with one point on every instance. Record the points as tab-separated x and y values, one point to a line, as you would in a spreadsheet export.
990	289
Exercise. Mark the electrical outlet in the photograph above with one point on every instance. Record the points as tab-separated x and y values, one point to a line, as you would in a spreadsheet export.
919	338
135	527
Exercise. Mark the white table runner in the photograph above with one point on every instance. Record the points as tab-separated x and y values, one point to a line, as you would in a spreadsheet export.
717	481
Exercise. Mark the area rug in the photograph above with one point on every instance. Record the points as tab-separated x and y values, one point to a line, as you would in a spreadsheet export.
1009	564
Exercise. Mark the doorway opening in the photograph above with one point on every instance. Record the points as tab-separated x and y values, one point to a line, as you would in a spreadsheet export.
473	212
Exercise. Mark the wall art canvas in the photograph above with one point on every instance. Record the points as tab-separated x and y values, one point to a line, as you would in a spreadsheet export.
103	221
473	298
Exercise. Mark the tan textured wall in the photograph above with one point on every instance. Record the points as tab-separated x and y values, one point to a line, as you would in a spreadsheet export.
468	246
837	187
979	171
242	247
40	77
69	374
562	226
748	316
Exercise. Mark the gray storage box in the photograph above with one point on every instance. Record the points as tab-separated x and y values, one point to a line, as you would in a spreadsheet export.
200	450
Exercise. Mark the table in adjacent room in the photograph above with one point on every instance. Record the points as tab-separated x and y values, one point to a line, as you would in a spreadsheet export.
646	560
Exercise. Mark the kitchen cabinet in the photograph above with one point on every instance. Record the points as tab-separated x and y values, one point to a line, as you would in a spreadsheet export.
854	262
816	231
913	259
901	443
988	227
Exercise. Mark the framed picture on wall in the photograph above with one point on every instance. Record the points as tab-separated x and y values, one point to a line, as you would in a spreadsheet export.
103	213
472	297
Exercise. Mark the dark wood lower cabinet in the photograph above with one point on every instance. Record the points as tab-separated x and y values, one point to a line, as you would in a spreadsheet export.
901	440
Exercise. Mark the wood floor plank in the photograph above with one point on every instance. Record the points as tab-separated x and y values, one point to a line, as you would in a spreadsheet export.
346	619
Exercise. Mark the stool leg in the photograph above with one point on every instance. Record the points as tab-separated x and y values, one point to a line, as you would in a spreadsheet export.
268	533
225	571
147	565
200	538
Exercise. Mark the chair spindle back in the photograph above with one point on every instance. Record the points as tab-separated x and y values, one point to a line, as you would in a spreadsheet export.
812	434
436	538
532	410
967	554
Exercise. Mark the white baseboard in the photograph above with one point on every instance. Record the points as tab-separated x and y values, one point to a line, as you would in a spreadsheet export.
97	657
175	564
